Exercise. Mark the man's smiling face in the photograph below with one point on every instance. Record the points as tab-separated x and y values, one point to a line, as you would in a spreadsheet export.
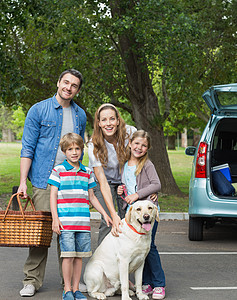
68	87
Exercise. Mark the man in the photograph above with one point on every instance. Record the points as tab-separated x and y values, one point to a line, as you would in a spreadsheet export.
46	122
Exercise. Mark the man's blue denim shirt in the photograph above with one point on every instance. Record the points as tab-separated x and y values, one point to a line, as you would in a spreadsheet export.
41	136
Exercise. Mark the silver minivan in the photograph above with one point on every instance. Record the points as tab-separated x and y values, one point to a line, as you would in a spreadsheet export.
212	196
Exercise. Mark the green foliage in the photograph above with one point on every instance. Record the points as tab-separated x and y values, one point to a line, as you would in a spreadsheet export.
12	118
18	122
194	40
208	58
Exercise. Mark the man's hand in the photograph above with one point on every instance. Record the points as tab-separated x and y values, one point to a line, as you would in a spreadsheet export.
22	189
24	170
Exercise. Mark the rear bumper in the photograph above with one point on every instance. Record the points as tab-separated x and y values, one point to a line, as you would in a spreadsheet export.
202	201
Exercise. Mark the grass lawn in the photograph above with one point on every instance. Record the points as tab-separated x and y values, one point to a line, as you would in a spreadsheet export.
9	166
180	164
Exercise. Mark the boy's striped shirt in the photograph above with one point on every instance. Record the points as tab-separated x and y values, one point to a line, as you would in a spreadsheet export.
73	199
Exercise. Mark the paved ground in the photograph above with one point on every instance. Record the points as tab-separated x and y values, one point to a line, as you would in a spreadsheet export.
194	270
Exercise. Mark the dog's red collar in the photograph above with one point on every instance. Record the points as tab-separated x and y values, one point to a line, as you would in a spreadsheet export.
130	226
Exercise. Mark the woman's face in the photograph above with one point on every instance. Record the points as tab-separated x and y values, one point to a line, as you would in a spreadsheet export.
108	122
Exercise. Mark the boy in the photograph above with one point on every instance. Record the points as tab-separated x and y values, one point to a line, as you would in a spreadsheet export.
71	190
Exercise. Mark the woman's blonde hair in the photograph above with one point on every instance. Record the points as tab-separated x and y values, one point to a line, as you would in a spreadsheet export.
100	150
71	138
143	159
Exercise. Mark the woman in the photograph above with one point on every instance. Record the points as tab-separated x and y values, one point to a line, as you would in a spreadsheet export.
106	151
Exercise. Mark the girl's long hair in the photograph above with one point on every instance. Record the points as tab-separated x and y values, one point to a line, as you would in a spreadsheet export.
100	150
143	159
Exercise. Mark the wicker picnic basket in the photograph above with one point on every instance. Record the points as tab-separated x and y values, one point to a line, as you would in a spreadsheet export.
25	228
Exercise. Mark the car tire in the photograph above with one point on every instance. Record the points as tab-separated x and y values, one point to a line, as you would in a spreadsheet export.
195	229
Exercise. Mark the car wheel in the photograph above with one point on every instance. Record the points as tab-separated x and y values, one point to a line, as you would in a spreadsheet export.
195	229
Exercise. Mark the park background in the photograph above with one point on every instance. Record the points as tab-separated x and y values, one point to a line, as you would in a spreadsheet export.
153	59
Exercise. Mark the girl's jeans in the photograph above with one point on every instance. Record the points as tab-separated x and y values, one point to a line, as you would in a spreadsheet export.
153	273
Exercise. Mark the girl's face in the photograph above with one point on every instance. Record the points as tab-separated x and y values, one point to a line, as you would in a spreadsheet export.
73	154
139	147
108	122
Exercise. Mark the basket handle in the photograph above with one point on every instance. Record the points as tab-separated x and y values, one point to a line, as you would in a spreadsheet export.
20	205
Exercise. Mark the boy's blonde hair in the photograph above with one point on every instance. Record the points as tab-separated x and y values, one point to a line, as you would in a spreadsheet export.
143	159
71	138
100	150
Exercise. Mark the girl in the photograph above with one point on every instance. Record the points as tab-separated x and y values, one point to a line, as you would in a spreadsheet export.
106	151
141	180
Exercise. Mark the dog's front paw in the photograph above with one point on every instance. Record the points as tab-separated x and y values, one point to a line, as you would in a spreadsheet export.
97	295
142	296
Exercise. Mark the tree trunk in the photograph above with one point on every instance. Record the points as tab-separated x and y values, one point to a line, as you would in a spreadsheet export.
144	102
158	153
184	138
171	142
196	137
7	135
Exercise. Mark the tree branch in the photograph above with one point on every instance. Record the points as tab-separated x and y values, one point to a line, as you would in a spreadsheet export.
121	105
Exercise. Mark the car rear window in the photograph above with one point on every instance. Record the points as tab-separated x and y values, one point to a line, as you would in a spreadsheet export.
227	98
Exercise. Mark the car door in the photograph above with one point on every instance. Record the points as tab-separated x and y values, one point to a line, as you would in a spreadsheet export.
222	99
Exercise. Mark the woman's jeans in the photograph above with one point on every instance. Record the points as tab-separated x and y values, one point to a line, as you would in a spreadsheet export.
118	202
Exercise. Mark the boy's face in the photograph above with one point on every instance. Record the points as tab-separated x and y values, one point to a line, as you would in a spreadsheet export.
73	154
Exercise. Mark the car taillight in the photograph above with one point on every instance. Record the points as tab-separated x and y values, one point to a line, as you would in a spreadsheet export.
201	161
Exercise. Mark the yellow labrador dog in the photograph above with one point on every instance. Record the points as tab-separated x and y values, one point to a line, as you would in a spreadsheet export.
108	269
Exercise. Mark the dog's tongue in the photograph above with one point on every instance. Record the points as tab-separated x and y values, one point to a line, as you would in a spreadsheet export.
146	226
